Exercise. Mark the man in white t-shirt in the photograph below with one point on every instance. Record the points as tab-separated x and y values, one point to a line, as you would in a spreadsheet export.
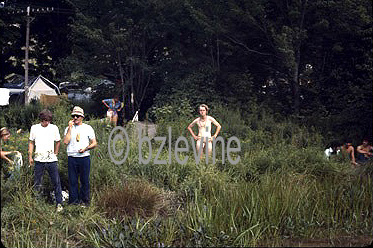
79	138
45	138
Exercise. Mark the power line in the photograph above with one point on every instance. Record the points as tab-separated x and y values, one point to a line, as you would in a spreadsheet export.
41	10
21	8
32	10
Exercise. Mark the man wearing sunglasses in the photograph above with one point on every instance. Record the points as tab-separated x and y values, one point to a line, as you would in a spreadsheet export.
79	138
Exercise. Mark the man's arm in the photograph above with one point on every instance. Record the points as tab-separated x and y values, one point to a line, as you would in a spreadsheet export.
31	145
104	102
218	127
67	137
57	147
191	130
92	144
3	156
121	107
361	150
352	152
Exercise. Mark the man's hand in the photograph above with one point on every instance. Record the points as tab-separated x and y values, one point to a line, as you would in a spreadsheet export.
11	162
30	161
71	123
83	150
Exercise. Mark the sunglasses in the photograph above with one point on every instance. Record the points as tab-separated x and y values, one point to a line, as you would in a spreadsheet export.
77	116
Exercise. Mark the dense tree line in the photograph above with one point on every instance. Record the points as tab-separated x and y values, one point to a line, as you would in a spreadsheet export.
309	60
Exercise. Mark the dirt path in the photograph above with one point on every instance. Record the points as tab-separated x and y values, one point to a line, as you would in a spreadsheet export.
151	128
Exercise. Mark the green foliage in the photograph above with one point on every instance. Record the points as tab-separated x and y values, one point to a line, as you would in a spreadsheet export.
311	58
172	111
174	115
247	204
251	62
232	121
198	87
21	117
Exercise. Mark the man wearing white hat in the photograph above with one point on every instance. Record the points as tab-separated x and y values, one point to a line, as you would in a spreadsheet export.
79	138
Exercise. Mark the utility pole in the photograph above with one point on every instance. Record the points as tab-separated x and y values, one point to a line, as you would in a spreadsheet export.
18	9
28	20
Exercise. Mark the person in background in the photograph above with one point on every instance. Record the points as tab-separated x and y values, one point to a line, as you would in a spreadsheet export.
204	129
45	138
114	106
13	166
349	151
332	149
79	138
364	151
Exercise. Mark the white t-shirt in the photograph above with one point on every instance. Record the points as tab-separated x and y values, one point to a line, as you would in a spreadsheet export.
84	133
44	138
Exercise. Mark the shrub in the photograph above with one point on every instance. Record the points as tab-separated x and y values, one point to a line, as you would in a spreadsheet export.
131	198
19	116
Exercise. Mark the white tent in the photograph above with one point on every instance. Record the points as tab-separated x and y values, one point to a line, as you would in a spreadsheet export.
40	86
4	96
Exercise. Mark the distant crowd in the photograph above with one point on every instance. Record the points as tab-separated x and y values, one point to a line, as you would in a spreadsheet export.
362	155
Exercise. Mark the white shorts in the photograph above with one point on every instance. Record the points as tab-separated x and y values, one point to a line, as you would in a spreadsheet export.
111	113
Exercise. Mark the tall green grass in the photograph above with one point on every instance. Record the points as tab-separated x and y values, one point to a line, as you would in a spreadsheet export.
282	189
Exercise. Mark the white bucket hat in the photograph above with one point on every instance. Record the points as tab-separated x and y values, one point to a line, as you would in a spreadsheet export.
78	111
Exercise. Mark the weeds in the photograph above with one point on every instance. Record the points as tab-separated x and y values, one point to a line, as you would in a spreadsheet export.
131	198
282	189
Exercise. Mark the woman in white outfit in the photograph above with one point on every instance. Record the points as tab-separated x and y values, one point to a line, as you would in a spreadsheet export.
204	129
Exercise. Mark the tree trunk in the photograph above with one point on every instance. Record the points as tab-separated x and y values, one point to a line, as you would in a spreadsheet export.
132	102
295	86
122	81
297	60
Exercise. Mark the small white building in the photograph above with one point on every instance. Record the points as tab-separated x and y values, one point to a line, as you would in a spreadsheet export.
4	96
40	86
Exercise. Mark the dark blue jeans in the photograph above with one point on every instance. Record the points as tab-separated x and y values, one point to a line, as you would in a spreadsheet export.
79	168
53	174
362	159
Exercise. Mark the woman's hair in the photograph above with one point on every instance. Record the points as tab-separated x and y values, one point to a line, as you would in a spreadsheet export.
4	131
204	106
45	115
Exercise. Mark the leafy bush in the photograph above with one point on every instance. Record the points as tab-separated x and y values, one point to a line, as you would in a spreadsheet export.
19	116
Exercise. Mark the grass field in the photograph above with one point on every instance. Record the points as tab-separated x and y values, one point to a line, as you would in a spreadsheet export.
283	192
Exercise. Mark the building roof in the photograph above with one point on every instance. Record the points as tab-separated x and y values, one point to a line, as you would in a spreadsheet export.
38	82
